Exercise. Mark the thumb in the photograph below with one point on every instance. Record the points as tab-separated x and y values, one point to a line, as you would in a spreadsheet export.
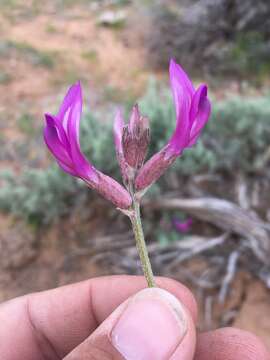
152	324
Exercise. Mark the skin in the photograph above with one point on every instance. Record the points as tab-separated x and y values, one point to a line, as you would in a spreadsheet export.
65	323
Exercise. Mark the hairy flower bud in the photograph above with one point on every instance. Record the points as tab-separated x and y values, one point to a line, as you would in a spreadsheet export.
118	135
135	139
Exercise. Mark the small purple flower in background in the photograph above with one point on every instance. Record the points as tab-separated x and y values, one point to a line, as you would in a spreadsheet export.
182	226
61	134
192	113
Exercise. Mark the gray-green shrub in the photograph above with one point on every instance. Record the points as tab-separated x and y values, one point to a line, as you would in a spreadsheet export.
234	140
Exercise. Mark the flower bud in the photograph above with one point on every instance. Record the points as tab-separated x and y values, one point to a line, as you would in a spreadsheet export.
118	135
135	139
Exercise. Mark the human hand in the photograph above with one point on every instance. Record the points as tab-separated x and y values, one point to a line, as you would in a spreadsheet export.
101	318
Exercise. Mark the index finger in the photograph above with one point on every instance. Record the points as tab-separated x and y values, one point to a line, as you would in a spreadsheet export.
52	323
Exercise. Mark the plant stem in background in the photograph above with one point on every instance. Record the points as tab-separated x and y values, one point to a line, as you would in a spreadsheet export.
141	245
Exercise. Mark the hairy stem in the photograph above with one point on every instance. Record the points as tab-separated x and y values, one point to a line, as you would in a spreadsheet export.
141	245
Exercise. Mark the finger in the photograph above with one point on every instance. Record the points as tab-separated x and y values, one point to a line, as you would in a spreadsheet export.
54	322
152	324
230	344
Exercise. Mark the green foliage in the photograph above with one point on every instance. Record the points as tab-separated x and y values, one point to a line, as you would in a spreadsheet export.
5	78
249	54
113	94
221	37
90	55
35	56
9	3
40	196
26	123
121	2
239	132
50	29
234	140
97	142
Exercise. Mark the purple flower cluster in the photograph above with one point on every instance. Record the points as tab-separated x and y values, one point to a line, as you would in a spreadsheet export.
61	134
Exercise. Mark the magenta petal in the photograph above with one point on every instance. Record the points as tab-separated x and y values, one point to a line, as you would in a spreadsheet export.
51	137
118	131
68	100
199	112
72	98
66	168
83	168
180	137
70	116
198	96
54	121
183	91
71	109
74	115
180	84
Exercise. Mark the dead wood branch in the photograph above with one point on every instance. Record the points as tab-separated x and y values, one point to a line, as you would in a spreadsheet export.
208	312
242	193
198	249
225	215
103	245
230	274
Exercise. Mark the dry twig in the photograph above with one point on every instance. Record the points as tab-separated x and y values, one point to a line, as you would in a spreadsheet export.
227	216
230	274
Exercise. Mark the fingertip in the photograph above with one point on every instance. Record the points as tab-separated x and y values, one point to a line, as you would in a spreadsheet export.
230	344
69	314
151	308
121	287
182	292
151	324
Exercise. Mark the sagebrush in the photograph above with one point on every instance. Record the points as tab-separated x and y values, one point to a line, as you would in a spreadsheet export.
235	140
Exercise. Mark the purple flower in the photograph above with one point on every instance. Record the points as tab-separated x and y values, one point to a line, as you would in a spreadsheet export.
192	109
182	226
61	134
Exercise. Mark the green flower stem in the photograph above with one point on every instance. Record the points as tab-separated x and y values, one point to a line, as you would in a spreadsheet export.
141	245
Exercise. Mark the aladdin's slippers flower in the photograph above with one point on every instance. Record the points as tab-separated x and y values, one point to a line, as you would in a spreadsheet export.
192	112
61	134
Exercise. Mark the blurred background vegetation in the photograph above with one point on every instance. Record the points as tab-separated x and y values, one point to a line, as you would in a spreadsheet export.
54	230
